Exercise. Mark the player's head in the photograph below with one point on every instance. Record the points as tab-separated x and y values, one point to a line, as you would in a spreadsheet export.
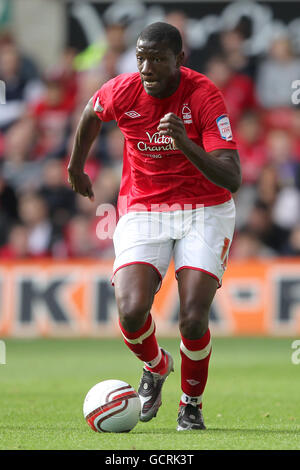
159	57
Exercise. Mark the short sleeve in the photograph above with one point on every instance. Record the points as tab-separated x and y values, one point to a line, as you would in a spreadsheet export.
214	121
103	102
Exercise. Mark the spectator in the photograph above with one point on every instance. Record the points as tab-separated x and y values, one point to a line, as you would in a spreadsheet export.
21	89
33	213
51	117
238	89
28	67
66	74
8	208
81	239
116	47
276	74
286	210
112	44
279	146
59	197
232	47
179	19
293	244
250	137
17	243
267	186
260	222
247	245
18	168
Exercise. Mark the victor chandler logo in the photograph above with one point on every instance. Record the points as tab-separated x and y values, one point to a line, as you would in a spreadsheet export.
156	143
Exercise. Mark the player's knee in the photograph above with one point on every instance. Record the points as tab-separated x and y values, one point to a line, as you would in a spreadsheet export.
193	322
133	311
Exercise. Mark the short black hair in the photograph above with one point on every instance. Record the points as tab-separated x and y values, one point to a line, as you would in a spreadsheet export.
163	32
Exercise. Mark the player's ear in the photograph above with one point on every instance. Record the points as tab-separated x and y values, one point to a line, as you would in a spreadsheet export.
179	59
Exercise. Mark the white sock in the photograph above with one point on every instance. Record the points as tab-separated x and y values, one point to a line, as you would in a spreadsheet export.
187	400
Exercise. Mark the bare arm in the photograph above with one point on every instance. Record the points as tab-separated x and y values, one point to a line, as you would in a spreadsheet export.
88	128
221	167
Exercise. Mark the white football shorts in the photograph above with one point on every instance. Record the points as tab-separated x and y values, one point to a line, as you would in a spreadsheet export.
197	239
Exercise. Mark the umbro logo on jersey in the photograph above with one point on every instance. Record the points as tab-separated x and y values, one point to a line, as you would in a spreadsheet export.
98	106
132	114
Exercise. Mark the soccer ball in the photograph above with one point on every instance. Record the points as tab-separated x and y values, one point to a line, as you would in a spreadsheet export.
112	406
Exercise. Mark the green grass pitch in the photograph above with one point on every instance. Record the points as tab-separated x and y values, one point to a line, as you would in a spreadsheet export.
251	400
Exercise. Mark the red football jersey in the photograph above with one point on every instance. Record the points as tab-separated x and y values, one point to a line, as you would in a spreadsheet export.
154	172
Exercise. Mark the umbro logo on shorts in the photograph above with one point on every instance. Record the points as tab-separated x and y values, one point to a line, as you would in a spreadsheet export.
132	114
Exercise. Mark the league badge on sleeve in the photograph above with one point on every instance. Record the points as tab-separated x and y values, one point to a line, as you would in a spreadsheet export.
224	127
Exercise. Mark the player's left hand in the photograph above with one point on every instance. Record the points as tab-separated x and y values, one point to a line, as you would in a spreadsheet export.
171	125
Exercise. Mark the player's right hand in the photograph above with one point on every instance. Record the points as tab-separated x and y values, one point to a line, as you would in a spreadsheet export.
81	184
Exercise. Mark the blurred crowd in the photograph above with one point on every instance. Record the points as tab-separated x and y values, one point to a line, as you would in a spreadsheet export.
41	216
